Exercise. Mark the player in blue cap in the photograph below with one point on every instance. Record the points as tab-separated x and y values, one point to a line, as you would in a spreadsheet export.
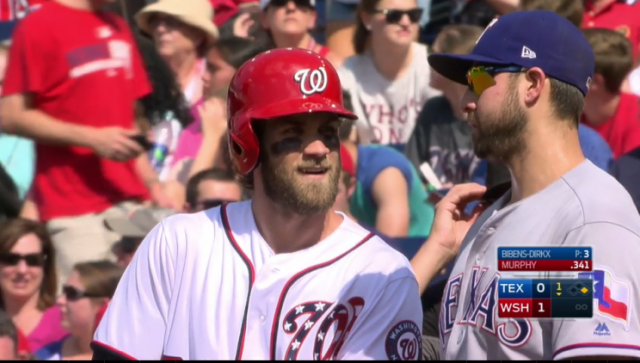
527	78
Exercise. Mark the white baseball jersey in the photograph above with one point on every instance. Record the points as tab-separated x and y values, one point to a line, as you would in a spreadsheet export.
207	286
586	207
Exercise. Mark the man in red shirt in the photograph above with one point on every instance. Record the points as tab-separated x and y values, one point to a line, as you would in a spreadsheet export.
619	15
614	114
73	77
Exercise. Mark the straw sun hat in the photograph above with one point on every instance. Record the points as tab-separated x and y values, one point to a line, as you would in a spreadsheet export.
196	13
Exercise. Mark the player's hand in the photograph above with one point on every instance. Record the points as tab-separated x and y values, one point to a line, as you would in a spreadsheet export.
115	143
451	223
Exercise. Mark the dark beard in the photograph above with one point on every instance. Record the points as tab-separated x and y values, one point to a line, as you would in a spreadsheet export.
283	188
499	137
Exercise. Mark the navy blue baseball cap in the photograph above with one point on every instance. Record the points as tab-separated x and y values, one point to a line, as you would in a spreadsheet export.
527	39
6	29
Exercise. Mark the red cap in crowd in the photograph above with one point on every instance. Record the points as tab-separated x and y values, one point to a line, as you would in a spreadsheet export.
347	161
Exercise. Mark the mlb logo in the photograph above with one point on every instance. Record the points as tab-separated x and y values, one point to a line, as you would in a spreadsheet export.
612	296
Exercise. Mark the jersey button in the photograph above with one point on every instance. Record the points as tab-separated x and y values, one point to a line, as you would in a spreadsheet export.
262	318
491	230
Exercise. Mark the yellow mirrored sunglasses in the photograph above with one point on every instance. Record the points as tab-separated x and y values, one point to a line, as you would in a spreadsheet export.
480	78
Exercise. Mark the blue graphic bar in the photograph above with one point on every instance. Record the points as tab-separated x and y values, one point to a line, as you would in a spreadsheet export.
545	253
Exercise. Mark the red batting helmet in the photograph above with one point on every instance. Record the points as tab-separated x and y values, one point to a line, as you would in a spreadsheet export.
277	83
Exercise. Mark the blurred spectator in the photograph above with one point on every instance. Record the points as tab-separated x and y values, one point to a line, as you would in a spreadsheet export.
340	26
72	80
618	15
84	299
182	35
203	144
572	10
211	188
222	60
614	115
182	31
247	25
166	103
627	171
289	22
388	78
133	230
388	194
442	137
28	281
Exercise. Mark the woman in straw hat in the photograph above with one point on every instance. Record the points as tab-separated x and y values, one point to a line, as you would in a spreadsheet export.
182	32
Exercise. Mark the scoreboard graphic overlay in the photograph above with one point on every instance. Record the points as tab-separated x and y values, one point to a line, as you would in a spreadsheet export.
562	298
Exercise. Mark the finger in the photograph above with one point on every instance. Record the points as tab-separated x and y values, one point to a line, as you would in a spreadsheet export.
130	147
125	131
465	193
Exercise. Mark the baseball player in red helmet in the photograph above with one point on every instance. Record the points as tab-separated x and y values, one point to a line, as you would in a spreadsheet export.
278	277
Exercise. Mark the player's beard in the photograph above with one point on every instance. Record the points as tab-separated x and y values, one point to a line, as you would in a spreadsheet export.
500	136
285	187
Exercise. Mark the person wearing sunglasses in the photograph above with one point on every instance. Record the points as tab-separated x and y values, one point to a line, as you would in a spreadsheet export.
527	78
28	281
84	299
388	78
211	188
289	23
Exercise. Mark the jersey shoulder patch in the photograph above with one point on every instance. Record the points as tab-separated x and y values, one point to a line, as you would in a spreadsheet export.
612	295
404	341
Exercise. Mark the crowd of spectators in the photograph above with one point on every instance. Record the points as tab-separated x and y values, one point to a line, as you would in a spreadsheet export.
113	117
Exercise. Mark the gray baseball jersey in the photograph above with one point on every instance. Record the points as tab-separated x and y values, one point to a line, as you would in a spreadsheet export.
586	207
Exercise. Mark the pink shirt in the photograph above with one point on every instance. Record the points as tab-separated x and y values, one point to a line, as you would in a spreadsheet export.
48	330
190	138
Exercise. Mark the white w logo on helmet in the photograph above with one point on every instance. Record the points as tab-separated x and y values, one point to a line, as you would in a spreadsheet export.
311	81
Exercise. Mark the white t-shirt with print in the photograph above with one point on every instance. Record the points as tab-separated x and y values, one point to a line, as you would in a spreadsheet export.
387	110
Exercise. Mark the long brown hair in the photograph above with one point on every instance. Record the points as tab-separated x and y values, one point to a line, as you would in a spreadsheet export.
361	35
14	229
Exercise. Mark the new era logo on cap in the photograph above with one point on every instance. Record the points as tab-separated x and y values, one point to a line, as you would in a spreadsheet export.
528	53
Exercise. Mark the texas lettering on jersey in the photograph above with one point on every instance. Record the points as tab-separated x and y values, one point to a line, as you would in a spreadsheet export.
480	310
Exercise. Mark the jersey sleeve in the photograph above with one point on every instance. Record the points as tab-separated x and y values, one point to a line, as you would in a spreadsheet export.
614	329
133	326
391	329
